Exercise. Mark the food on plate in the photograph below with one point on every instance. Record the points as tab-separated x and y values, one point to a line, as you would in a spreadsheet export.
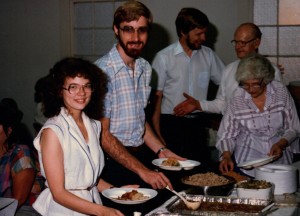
170	162
236	176
133	196
206	179
254	184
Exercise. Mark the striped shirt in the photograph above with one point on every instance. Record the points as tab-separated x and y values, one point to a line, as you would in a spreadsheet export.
250	133
127	96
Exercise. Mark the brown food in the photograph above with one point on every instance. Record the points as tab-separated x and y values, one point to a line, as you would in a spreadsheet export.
224	207
236	176
255	184
206	179
170	162
132	195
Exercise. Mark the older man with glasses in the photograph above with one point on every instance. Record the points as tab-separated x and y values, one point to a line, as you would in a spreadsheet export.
247	38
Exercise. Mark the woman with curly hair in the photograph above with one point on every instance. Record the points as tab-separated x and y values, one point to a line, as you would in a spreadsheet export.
70	154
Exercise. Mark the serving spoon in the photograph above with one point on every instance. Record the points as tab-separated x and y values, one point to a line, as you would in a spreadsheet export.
191	205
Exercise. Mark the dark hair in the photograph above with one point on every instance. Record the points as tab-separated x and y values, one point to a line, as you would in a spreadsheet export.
189	19
130	11
73	67
39	88
10	118
255	31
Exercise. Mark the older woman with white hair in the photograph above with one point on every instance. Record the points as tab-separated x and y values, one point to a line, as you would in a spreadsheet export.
260	120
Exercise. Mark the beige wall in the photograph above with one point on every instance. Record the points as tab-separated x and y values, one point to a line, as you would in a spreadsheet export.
35	34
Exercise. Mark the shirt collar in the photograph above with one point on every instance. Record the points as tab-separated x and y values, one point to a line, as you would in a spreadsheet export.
118	63
179	49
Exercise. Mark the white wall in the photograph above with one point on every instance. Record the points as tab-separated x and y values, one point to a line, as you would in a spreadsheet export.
225	15
35	34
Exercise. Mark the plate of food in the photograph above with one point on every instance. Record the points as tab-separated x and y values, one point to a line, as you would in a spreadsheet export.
129	195
256	163
174	164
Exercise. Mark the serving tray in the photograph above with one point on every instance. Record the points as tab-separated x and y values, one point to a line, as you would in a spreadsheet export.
223	206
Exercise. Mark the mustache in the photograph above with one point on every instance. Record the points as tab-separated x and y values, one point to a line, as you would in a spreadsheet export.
135	42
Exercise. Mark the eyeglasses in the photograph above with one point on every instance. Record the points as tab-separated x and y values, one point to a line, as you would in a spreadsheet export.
253	86
241	43
130	30
74	88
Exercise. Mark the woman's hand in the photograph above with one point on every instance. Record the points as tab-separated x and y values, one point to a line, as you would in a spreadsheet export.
278	148
106	211
226	163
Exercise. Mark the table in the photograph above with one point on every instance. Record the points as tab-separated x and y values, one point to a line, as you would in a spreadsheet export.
278	210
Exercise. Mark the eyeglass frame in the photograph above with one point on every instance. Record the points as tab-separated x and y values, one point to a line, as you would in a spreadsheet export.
78	87
254	86
130	30
242	43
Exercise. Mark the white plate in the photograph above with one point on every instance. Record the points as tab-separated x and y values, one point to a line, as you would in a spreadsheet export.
256	163
114	193
186	165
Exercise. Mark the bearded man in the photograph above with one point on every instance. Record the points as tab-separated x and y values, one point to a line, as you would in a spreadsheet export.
126	136
184	70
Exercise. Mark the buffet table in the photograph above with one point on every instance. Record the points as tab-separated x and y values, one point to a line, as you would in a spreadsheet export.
285	205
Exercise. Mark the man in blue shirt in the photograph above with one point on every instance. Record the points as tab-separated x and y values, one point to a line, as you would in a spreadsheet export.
126	136
185	69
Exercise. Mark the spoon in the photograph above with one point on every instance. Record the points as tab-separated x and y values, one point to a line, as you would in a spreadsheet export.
190	205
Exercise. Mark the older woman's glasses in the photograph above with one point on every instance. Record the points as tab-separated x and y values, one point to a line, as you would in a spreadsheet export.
130	30
74	88
241	43
253	86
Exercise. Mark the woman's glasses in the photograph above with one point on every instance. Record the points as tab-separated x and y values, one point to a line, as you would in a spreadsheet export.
74	88
253	86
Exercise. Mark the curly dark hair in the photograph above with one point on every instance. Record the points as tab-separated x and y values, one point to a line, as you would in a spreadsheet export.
189	19
75	67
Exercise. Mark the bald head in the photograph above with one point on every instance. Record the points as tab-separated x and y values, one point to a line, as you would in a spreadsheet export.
247	39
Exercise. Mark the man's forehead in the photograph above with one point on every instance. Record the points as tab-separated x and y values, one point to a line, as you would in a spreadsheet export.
141	21
197	29
243	31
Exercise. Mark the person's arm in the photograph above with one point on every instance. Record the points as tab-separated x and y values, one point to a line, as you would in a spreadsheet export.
54	170
22	185
187	106
154	143
156	115
226	137
103	185
226	164
118	152
291	128
278	148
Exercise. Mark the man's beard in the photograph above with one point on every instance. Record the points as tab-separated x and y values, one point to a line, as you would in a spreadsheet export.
131	52
192	46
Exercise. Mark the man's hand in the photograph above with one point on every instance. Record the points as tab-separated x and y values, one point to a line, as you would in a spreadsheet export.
278	148
156	179
167	153
187	106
